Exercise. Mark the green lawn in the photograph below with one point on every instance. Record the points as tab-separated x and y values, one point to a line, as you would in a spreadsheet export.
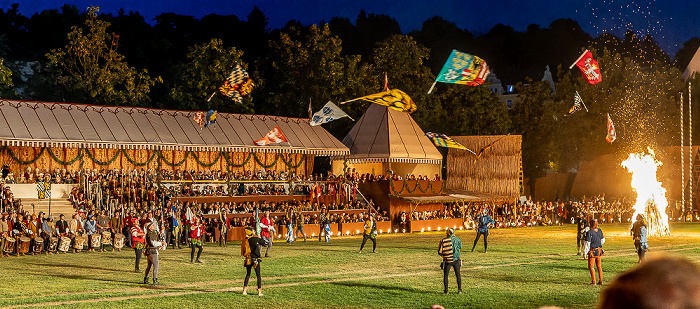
524	268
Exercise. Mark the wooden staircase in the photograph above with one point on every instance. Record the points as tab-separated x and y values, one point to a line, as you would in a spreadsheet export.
58	206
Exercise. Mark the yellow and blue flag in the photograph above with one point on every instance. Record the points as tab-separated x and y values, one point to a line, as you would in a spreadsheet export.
395	99
237	84
442	140
210	118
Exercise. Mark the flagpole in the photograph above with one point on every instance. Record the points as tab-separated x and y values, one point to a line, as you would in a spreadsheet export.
212	95
432	87
682	162
579	58
584	106
348	101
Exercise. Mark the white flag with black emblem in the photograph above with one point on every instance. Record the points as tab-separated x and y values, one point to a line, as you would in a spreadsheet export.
328	113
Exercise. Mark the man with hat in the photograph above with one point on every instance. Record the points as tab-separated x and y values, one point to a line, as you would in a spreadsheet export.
483	222
450	249
250	249
91	230
137	242
48	229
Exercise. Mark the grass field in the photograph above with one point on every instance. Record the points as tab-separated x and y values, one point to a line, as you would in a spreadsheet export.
524	268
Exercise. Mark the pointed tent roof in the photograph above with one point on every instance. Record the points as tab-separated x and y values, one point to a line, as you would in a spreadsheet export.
386	135
693	66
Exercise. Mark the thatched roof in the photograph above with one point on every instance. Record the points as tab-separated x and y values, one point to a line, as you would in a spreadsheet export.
496	172
386	135
46	124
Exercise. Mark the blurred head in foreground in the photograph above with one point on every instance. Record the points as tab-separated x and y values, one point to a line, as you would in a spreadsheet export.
662	282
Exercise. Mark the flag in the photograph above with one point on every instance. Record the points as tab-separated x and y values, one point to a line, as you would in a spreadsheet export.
328	113
311	111
589	68
442	140
463	68
482	150
394	98
237	84
611	131
386	82
210	118
274	136
43	190
199	119
578	104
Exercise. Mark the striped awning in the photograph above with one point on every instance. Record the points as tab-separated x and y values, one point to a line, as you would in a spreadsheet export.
47	124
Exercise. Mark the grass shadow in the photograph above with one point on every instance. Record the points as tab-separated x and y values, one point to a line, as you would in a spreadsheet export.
397	289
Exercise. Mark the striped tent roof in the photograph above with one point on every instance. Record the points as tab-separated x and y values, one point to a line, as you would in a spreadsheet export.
386	135
47	124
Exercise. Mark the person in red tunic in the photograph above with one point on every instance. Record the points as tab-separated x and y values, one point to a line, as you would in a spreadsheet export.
137	241
196	235
266	231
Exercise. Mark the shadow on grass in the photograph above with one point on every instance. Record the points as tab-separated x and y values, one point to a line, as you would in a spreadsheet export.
382	287
91	267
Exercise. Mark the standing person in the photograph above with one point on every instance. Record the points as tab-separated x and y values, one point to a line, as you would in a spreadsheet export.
48	229
300	225
483	222
103	225
91	230
4	232
639	234
223	227
115	225
76	229
327	225
152	245
62	226
267	229
250	250
370	233
196	235
137	242
177	225
321	223
595	239
289	218
582	231
450	249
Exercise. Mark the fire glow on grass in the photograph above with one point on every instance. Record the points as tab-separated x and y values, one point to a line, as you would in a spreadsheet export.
651	196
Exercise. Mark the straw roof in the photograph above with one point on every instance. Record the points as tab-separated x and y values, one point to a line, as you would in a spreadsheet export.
47	124
386	135
496	172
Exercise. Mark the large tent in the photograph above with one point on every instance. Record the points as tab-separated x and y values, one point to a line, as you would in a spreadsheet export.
48	135
386	139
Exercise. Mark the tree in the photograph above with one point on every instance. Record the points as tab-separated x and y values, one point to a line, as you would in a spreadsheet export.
7	90
305	64
209	65
90	70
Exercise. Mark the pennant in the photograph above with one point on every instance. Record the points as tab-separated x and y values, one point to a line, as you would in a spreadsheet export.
482	150
273	137
395	99
612	136
210	118
386	82
328	113
237	84
199	119
442	140
578	104
589	68
43	190
464	69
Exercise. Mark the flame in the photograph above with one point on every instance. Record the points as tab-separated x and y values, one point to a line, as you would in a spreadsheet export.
651	196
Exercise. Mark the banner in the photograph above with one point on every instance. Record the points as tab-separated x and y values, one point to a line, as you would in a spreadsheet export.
237	84
43	190
578	104
463	68
395	99
589	68
328	113
210	118
275	136
612	136
442	140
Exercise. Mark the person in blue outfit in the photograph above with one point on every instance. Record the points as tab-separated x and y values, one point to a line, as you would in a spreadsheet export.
596	240
483	222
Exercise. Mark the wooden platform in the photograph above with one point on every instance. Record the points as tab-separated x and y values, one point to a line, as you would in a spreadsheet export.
58	206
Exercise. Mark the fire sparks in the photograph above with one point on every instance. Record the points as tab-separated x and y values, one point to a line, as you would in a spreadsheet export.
651	196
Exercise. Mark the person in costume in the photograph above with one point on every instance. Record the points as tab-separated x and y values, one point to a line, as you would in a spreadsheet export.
197	233
450	249
138	241
582	231
639	234
266	231
224	225
370	233
483	222
152	245
250	250
91	230
19	229
596	240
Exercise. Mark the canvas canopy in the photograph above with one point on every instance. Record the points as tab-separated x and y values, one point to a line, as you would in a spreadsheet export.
693	66
47	124
386	135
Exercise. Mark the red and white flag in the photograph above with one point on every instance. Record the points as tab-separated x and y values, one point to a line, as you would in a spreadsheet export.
273	137
611	131
386	82
589	68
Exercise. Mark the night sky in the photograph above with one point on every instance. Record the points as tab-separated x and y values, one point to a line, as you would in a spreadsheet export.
671	22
